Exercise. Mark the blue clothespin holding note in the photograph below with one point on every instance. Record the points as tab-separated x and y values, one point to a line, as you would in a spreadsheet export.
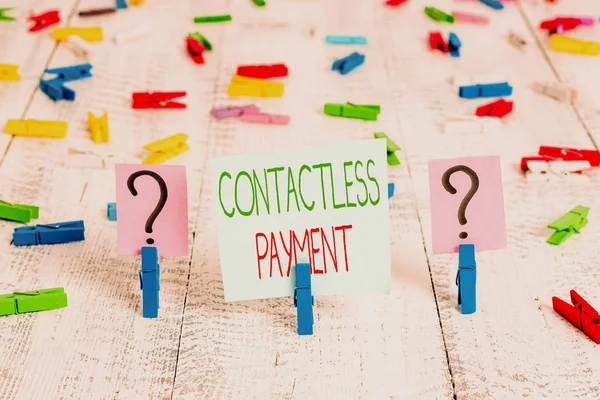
150	282
60	232
349	63
466	278
111	211
304	300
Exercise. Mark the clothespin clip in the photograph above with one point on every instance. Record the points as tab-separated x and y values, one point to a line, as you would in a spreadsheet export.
92	34
56	90
233	111
572	45
9	72
438	15
262	71
485	90
563	155
495	4
454	45
212	18
243	86
556	90
136	2
580	313
460	16
18	212
367	112
560	25
257	117
391	148
204	42
349	63
569	224
437	42
71	73
150	282
4	17
144	100
466	278
33	301
44	20
395	3
121	4
304	300
259	3
36	128
195	50
60	232
342	39
97	11
99	128
390	190
498	109
167	148
111	211
516	40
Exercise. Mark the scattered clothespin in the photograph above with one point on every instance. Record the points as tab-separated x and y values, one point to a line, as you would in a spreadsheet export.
437	42
572	45
97	11
111	211
121	4
495	4
44	20
259	3
557	167
150	282
569	224
485	90
129	34
498	109
167	148
204	42
9	72
556	90
195	50
136	2
349	63
232	111
580	313
60	232
4	17
390	190
36	128
454	45
394	3
18	212
562	154
304	300
262	71
391	148
341	39
466	278
560	25
55	88
368	112
212	18
263	118
460	16
145	100
92	34
243	86
71	73
438	15
516	40
99	128
33	301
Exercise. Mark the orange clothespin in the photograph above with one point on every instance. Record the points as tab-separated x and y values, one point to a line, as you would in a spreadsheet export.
581	314
44	20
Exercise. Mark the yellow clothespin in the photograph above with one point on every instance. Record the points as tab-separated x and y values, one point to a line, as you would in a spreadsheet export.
36	128
167	148
244	86
99	128
572	45
136	2
89	34
8	72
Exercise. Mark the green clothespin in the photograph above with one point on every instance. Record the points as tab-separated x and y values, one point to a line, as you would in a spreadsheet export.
18	212
35	300
368	112
260	3
438	15
391	148
569	224
201	39
212	18
6	17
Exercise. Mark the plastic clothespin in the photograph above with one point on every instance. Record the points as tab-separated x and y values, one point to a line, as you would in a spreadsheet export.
495	4
136	2
460	16
349	63
121	4
559	25
498	109
4	17
97	11
257	117
390	190
111	211
437	42
167	148
33	301
212	18
99	128
150	282
485	90
569	224
454	45
555	90
56	90
18	212
233	111
580	313
263	71
9	72
304	300
367	112
391	148
71	73
60	232
91	34
466	278
342	39
36	128
558	167
195	50
259	3
572	45
557	154
243	86
204	42
44	20
144	100
438	15
395	3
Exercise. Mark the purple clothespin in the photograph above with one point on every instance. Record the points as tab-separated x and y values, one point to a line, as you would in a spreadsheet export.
233	111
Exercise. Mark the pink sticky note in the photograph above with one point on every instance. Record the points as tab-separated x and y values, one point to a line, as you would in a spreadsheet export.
170	228
485	226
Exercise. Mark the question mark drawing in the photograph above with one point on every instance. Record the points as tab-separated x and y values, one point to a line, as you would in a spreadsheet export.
161	201
462	209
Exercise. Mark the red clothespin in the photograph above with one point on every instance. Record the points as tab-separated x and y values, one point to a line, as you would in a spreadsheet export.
497	109
263	71
548	153
143	100
437	42
44	20
581	314
394	3
558	25
195	50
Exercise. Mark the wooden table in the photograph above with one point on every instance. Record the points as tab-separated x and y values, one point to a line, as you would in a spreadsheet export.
412	344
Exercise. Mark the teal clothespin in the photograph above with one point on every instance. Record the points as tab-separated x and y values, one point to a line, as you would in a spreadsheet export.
6	17
18	212
569	224
201	39
35	300
367	112
438	15
391	148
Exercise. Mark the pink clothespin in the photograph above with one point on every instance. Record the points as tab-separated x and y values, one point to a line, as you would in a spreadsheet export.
264	118
233	111
468	17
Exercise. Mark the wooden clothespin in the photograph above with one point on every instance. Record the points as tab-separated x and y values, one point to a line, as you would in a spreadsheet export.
150	282
580	313
36	300
466	278
303	299
569	224
60	232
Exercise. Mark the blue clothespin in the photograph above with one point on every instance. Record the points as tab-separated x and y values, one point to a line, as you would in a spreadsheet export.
71	73
390	189
496	5
56	90
486	90
454	45
111	211
60	232
150	282
348	63
342	39
121	4
303	299
466	278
